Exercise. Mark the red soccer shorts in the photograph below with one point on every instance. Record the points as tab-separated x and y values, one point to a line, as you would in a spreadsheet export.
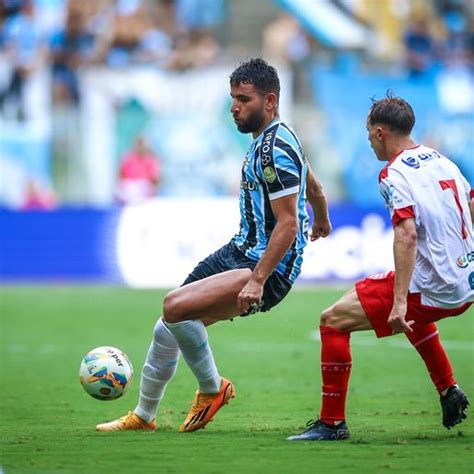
376	297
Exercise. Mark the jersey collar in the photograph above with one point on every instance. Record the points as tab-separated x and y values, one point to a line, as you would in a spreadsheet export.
270	125
400	152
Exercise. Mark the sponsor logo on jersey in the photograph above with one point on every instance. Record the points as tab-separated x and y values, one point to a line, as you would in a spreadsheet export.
414	162
267	148
245	164
250	185
464	260
270	174
387	194
411	162
429	156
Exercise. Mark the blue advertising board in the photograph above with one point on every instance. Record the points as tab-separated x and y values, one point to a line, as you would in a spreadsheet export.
61	245
157	244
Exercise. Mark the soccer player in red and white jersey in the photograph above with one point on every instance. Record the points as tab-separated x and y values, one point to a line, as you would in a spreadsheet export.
432	210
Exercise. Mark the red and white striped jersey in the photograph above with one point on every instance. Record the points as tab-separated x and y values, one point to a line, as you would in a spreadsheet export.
422	183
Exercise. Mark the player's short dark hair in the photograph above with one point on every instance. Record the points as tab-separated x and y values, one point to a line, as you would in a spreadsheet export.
259	73
394	112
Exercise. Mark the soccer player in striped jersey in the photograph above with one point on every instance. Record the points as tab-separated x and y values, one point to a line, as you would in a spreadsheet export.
253	272
432	212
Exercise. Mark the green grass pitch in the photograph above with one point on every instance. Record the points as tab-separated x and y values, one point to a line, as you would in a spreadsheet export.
47	420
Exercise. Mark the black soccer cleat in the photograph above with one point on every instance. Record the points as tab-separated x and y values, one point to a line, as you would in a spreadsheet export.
319	431
454	405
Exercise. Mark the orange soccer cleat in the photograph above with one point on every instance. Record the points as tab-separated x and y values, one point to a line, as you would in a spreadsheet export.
127	422
206	405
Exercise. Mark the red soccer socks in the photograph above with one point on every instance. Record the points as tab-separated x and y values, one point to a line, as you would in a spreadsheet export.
336	366
425	339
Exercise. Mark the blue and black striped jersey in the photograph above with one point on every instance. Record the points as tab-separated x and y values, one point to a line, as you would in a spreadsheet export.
274	166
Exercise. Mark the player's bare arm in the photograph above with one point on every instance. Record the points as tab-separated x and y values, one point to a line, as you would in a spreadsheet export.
283	235
317	198
404	249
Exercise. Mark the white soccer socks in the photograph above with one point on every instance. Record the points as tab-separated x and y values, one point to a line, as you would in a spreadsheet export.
159	368
193	342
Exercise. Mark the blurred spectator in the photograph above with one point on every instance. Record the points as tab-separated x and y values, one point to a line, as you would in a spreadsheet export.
164	16
26	50
130	36
71	49
458	44
455	80
193	50
121	34
37	197
10	7
284	41
139	174
199	15
420	47
195	45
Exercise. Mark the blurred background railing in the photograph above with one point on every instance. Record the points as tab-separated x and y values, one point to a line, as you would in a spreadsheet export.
111	103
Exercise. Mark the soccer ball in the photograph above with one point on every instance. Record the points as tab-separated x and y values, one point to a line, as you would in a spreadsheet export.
106	373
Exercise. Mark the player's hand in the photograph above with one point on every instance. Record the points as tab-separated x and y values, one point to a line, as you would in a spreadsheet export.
322	227
250	297
397	320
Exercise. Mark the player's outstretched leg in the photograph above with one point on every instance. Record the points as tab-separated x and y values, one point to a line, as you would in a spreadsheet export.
187	310
159	368
454	405
214	391
206	405
335	370
128	422
425	338
319	431
337	323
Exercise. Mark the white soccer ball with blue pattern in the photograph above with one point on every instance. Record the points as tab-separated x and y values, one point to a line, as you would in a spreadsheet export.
106	373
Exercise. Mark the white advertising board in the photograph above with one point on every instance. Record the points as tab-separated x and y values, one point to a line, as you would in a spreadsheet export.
159	243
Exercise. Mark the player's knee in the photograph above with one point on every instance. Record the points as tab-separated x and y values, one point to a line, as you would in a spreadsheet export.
171	308
326	317
332	317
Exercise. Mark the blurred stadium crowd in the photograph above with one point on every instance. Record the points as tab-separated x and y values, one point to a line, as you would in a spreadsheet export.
115	101
76	34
